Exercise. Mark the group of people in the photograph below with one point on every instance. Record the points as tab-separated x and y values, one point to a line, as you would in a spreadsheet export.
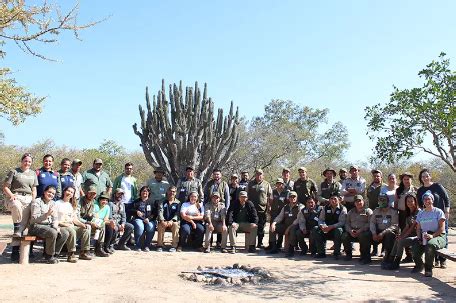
66	207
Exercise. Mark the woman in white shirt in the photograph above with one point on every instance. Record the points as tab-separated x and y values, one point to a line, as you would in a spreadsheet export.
192	214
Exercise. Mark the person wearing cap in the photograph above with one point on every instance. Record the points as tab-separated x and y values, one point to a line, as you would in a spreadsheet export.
286	176
85	207
234	187
101	214
144	212
329	186
215	218
279	199
192	222
430	228
342	175
285	223
304	186
244	182
357	229
98	177
355	185
47	176
373	190
158	185
441	201
129	186
77	177
189	183
259	192
307	220
117	224
168	219
66	177
384	226
331	223
242	217
216	184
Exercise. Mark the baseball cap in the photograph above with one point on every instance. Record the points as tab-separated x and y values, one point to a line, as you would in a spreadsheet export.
243	193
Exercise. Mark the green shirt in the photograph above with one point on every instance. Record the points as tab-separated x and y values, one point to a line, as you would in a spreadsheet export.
20	181
259	193
101	181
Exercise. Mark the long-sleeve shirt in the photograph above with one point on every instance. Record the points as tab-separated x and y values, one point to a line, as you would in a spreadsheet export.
117	212
308	218
359	221
289	214
186	186
327	190
358	184
221	188
39	209
329	214
383	219
215	213
304	189
441	198
168	211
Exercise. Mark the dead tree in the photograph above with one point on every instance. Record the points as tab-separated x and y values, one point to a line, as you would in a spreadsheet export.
182	132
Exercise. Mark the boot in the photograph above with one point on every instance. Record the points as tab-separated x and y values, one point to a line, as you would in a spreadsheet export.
395	264
260	241
274	250
84	255
15	254
109	249
290	252
386	262
71	257
348	256
374	252
99	251
408	255
17	232
279	242
270	246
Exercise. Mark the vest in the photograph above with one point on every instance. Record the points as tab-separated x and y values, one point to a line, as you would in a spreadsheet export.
330	217
290	214
310	217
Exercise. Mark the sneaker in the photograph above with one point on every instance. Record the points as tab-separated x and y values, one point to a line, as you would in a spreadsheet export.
123	247
224	250
52	260
179	249
252	249
172	249
207	250
428	273
137	249
146	249
159	249
443	264
417	268
233	250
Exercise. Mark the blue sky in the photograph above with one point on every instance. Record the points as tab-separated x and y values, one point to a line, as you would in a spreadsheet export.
341	55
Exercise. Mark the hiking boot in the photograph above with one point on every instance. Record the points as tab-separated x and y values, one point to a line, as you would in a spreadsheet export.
290	252
99	251
207	250
179	249
85	256
336	256
407	259
50	259
348	257
428	273
15	254
252	249
233	250
71	258
123	247
418	268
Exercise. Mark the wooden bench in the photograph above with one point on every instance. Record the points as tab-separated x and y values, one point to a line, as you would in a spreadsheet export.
24	250
444	252
2	247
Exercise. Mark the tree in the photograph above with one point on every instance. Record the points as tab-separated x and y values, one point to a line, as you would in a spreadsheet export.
402	126
182	131
26	25
289	135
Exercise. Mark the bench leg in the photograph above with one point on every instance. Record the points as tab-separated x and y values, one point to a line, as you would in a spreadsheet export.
2	247
24	252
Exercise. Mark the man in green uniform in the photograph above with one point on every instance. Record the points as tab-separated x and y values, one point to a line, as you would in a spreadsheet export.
307	220
304	186
279	199
329	186
98	177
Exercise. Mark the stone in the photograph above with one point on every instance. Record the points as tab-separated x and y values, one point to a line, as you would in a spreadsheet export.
199	268
199	278
220	281
193	277
255	269
236	265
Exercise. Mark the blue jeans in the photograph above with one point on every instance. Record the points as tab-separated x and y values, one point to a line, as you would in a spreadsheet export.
140	228
186	229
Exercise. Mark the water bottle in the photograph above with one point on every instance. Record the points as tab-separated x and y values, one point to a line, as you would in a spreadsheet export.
423	235
97	234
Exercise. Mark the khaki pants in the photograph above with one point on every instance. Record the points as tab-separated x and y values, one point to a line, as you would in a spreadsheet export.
20	209
243	227
54	240
75	233
174	232
218	228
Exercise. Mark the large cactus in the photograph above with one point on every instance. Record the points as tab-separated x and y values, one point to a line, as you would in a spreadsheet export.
182	132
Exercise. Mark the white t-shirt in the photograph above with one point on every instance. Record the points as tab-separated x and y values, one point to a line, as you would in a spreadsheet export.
64	211
191	210
391	194
126	184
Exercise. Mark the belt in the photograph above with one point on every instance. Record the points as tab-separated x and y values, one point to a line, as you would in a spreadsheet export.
22	194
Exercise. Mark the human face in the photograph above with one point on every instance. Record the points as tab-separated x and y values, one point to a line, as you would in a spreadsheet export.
342	175
103	202
280	186
215	199
171	194
292	200
76	167
97	166
119	196
26	163
359	204
302	174
259	177
425	178
407	181
242	200
286	175
189	173
411	203
159	176
234	181
310	204
217	175
245	176
49	194
91	195
377	178
329	176
428	203
68	194
144	194
47	163
128	170
334	201
65	166
193	198
354	173
392	180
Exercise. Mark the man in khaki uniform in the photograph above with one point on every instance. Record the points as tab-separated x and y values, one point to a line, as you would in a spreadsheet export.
329	186
307	220
286	176
259	192
357	229
304	186
215	217
285	223
279	200
384	226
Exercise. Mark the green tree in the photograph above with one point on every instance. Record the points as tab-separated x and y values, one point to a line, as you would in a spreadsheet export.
27	25
402	126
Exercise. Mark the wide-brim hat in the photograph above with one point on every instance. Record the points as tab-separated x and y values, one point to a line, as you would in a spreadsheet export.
329	169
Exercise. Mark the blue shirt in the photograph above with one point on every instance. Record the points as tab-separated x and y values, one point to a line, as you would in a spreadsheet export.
46	178
429	220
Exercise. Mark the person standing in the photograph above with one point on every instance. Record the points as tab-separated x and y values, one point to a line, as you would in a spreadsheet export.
189	183
158	185
355	185
129	186
77	176
259	192
342	175
47	176
329	186
373	191
98	177
66	177
244	182
389	190
216	184
305	187
234	187
287	182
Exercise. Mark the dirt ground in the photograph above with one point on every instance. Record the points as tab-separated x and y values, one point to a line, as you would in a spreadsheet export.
140	276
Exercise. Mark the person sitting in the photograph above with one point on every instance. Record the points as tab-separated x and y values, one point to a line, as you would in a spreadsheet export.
430	226
65	210
44	224
215	217
117	224
144	214
242	216
384	226
168	219
357	230
192	215
330	226
285	223
307	220
101	214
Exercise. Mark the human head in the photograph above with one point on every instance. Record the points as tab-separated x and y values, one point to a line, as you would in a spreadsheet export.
343	174
286	174
128	168
171	193
216	174
310	203
26	161
103	199
244	175
215	197
48	193
65	164
382	201
354	171
359	202
193	197
68	192
48	161
280	184
189	172
334	200
376	176
411	202
293	197
234	179
392	179
91	192
159	173
242	197
97	164
428	199
76	165
119	194
425	176
302	173
144	192
329	174
259	176
406	179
